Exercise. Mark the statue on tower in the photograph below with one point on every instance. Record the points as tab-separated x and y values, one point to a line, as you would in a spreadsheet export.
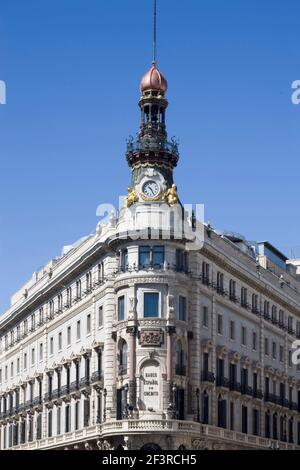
132	197
171	196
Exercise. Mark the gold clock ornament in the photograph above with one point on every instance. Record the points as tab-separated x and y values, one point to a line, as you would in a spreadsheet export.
132	197
171	196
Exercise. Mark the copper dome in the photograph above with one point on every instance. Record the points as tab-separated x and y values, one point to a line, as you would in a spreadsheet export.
154	80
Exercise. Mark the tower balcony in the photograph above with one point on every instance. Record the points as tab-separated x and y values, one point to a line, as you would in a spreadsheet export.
152	148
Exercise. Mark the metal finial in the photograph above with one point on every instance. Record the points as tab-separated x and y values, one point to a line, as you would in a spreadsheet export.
155	33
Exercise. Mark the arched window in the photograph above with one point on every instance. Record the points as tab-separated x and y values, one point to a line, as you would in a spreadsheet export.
180	368
123	353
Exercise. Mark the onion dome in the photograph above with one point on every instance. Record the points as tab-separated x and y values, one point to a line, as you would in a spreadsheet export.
154	81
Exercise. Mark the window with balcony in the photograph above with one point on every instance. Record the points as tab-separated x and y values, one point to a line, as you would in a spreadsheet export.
78	289
121	308
232	290
274	314
281	318
267	425
267	310
88	282
151	257
255	303
205	273
244	297
151	305
220	283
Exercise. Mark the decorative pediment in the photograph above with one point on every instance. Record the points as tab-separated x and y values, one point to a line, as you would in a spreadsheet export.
222	351
207	345
246	361
269	371
234	356
257	366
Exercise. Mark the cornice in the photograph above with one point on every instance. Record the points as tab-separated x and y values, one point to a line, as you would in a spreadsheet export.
247	279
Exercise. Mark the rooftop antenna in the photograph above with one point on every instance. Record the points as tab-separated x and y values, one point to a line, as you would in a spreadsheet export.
155	33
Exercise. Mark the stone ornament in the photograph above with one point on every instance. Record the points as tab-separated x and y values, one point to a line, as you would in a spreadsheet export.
151	337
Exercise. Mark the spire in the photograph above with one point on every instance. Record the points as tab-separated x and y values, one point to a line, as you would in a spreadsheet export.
152	146
155	33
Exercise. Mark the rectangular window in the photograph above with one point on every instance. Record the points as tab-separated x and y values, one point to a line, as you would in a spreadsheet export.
68	419
12	370
144	256
41	351
182	308
274	350
151	304
69	335
220	324
205	316
58	420
121	308
60	341
281	353
100	316
290	359
232	330
18	366
78	330
158	257
266	346
51	346
181	261
88	324
254	341
244	336
25	361
0	376
32	356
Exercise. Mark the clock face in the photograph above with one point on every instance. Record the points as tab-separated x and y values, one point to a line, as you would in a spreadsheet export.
151	189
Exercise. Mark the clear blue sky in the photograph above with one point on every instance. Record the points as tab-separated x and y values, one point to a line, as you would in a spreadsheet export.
72	69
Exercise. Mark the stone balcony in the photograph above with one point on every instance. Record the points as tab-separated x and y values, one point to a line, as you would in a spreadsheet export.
157	426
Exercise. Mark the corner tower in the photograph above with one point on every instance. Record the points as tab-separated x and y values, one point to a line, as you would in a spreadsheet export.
151	156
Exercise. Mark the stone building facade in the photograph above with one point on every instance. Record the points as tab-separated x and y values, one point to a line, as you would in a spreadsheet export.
138	338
